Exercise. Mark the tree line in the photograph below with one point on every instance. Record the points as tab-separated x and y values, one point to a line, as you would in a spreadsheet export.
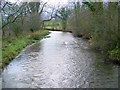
98	22
21	17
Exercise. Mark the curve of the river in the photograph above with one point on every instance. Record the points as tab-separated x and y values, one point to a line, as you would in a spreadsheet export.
61	61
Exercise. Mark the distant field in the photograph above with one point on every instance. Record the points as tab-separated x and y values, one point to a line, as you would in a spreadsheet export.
53	25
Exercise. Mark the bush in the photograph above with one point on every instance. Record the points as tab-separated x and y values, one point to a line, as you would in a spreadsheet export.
99	23
35	36
38	35
114	54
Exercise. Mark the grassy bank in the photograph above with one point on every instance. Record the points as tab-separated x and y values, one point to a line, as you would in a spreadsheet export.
13	45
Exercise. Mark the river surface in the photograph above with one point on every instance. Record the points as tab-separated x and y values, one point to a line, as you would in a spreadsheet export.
61	61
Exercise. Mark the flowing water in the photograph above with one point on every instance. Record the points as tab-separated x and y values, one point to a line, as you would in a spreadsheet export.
61	61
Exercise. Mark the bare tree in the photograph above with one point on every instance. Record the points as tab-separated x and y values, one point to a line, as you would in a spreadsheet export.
18	16
63	14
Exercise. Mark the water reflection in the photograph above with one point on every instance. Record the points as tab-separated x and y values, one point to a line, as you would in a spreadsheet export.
61	61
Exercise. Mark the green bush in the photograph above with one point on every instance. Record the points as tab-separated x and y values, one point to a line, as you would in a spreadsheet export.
99	23
114	54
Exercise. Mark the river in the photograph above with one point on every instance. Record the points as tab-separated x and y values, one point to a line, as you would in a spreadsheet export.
61	61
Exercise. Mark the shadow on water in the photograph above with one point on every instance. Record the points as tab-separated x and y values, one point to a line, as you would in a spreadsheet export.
105	74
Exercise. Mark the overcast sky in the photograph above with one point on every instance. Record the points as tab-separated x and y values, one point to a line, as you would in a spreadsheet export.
50	2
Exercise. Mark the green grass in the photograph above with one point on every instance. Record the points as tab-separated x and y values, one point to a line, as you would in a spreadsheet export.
54	24
13	45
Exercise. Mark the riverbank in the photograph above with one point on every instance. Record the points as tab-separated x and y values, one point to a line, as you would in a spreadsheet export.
62	61
12	46
111	56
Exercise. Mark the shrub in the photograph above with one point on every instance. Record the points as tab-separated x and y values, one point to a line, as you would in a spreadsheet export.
114	54
98	22
34	36
38	35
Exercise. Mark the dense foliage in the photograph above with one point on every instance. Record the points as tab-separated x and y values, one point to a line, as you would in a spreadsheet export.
98	22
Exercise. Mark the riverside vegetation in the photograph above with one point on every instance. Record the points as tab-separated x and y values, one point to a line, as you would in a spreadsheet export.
13	45
99	23
22	24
